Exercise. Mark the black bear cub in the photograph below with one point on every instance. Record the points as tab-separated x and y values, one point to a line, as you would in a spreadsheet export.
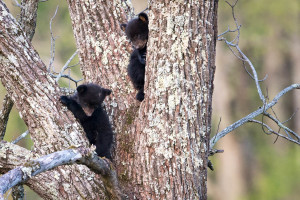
85	104
137	32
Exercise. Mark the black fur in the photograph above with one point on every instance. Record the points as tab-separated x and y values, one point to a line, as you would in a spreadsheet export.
137	32
136	71
85	104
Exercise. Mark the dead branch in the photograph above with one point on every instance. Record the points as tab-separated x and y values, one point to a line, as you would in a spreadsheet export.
254	114
23	135
66	66
80	155
51	70
234	47
52	50
16	3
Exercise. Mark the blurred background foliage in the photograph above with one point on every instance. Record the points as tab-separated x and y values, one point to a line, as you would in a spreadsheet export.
254	165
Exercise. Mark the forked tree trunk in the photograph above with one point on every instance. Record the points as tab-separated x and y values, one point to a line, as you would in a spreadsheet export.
162	143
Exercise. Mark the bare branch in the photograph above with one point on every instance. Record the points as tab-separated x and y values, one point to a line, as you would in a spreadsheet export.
266	76
282	126
235	49
67	77
252	115
23	135
16	3
254	74
235	44
291	117
229	31
271	131
66	66
52	51
79	155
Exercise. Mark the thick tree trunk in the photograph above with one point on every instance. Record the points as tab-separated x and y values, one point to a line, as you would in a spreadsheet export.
162	143
171	132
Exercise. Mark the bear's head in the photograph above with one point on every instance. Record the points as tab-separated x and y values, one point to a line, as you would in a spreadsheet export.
90	96
137	30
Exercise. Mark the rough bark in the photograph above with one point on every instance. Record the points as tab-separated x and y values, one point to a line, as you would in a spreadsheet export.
4	114
28	23
173	126
28	17
33	167
36	96
162	143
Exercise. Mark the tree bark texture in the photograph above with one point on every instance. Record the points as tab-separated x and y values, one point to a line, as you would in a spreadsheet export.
36	97
29	169
174	137
4	114
162	143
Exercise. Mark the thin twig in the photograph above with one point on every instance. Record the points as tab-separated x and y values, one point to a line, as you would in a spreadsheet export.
66	66
252	115
279	124
245	67
229	31
291	117
271	131
52	50
16	3
23	135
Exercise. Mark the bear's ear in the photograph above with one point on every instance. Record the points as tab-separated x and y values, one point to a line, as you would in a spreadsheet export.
106	92
81	89
123	27
143	17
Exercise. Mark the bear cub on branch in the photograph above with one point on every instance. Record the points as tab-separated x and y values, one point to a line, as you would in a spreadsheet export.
85	104
137	32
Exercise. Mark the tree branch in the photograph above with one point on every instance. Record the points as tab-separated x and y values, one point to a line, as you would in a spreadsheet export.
20	137
252	115
28	23
4	114
52	50
79	155
234	44
66	66
28	17
286	129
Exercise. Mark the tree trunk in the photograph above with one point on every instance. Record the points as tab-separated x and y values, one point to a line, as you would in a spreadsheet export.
172	128
162	143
